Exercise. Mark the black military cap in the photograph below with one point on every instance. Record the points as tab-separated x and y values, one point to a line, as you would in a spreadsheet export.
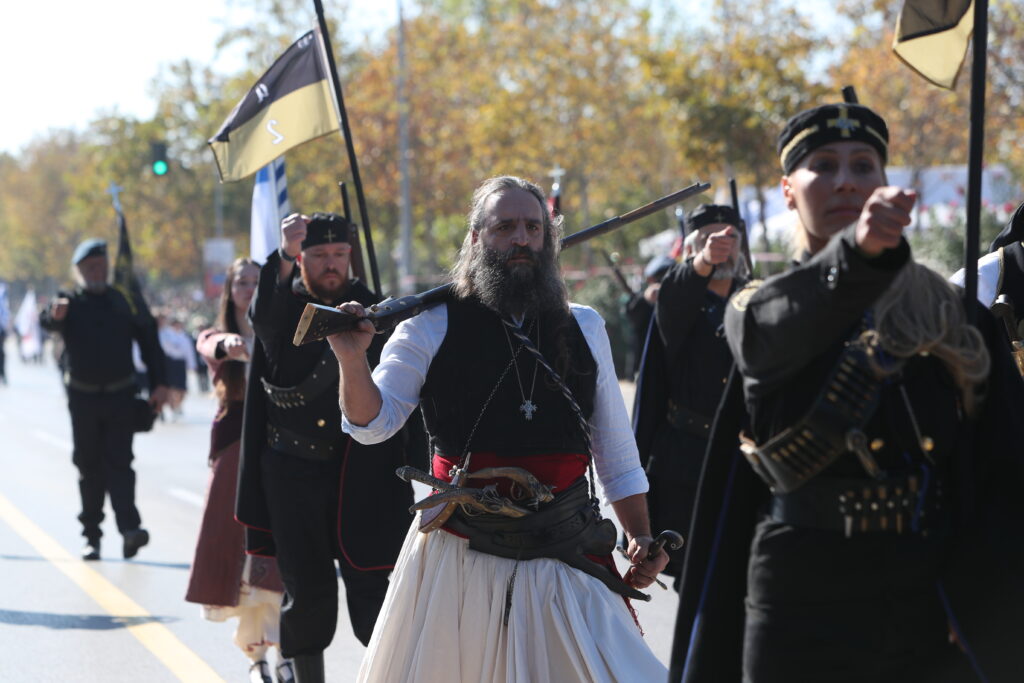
708	214
89	247
1013	232
819	126
325	228
658	266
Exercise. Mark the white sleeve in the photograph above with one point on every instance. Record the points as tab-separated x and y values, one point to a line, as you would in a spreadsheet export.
400	375
616	457
990	275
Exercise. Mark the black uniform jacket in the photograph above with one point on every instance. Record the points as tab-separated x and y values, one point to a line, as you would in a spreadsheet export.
373	515
685	356
98	331
790	354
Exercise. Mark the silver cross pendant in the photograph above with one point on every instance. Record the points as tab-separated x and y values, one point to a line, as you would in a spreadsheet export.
528	408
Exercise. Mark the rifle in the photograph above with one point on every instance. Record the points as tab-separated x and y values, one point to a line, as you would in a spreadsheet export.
742	226
1003	309
616	272
318	321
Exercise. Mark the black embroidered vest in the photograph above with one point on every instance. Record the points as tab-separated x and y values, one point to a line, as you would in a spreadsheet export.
468	365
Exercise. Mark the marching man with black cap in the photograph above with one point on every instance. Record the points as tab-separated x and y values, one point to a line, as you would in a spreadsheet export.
307	493
686	364
98	326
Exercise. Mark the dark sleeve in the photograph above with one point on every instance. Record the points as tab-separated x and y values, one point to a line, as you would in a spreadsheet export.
792	318
149	348
46	320
270	303
679	302
999	458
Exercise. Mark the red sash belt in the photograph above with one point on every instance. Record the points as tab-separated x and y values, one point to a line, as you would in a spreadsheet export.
558	470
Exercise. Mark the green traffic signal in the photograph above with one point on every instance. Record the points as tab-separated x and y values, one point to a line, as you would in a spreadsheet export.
158	151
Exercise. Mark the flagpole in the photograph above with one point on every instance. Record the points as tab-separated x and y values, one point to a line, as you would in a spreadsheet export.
975	157
347	135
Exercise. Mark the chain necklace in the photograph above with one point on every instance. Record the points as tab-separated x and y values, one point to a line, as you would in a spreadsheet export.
527	407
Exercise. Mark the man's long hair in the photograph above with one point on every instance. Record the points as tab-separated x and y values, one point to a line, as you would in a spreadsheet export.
230	382
462	272
552	298
923	313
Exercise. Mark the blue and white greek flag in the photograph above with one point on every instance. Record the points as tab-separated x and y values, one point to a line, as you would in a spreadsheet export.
269	206
5	310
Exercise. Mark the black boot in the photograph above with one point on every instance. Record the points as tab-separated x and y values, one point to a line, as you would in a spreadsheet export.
91	551
133	540
309	668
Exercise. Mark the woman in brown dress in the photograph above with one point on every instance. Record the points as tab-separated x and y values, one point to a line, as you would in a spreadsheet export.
224	580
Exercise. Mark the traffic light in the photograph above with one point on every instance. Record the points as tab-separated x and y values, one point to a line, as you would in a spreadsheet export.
159	153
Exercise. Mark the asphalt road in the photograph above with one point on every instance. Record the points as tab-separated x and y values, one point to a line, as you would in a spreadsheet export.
62	619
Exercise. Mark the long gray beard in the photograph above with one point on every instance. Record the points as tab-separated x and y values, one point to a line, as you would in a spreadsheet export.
724	271
524	289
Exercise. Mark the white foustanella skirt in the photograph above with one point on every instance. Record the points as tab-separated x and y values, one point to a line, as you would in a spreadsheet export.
442	622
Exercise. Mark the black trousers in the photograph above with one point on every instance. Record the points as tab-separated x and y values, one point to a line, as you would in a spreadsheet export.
302	498
673	472
823	608
101	429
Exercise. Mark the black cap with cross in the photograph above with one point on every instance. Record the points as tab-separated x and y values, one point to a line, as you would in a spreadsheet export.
325	228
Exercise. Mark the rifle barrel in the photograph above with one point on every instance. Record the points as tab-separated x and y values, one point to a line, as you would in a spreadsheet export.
634	215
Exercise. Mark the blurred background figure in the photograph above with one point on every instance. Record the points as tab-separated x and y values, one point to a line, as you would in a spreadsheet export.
640	306
5	323
196	326
98	325
224	580
179	350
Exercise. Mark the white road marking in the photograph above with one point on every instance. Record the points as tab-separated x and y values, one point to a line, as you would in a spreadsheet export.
188	496
57	441
182	662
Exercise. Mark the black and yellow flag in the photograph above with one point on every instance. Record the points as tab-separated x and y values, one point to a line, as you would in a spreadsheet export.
932	37
290	104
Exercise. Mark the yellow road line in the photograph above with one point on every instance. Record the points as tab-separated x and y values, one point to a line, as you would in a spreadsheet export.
155	637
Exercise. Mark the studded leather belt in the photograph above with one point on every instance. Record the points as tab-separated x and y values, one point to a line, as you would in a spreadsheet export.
292	443
903	505
686	420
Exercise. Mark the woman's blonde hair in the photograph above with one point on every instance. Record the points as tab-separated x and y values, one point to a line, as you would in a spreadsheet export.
922	313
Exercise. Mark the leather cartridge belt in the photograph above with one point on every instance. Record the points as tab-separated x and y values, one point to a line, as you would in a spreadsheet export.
833	426
566	529
904	505
104	388
686	420
323	377
299	445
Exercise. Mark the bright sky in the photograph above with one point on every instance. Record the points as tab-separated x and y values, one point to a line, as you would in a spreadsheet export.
65	60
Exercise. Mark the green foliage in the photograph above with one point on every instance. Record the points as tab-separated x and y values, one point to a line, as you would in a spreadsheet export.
941	246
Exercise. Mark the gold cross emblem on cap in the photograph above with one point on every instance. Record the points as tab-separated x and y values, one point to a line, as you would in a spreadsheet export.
720	217
843	122
329	235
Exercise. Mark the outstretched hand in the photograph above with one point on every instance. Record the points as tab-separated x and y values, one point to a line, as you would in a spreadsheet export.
881	222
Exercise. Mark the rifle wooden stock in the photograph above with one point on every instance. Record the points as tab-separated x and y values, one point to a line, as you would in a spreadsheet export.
318	321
